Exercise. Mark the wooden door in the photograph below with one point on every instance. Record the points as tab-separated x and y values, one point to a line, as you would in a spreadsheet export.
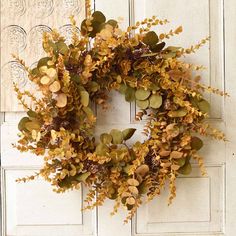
203	206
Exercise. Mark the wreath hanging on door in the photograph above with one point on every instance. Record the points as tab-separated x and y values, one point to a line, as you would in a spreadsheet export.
137	63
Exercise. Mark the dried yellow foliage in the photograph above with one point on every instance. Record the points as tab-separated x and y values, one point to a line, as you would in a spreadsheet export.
60	125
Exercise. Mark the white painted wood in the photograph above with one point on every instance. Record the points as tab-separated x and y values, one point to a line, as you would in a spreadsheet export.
203	206
196	211
200	210
22	25
230	84
33	209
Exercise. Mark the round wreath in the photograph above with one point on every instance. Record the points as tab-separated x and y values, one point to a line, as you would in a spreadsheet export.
101	57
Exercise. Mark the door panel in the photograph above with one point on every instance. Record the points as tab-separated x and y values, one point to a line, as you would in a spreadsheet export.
199	205
203	206
33	209
197	208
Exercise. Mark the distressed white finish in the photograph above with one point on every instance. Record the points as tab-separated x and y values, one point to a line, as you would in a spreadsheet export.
203	206
22	25
34	209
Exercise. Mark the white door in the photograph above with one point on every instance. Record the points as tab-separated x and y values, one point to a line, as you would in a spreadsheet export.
203	206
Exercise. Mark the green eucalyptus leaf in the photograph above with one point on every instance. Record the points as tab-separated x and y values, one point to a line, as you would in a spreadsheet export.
196	143
153	87
32	125
106	138
93	86
66	182
169	55
142	188
142	94
101	149
32	113
178	113
51	45
83	27
194	101
35	72
117	136
82	177
155	101
123	88
76	78
21	124
113	23
186	169
84	98
158	47
149	54
62	47
99	17
142	104
128	133
204	106
96	28
173	49
43	62
130	94
150	38
181	161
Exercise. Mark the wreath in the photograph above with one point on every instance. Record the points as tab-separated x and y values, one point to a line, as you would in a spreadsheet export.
101	57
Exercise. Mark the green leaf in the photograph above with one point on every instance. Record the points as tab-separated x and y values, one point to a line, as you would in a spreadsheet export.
158	47
204	106
142	94
66	182
51	45
130	94
96	28
102	149
186	169
128	133
83	27
82	177
117	136
93	86
196	143
153	87
32	113
35	72
150	38
21	124
76	78
106	138
43	62
32	125
181	161
173	49
84	98
149	54
62	47
99	17
123	88
113	23
142	188
169	55
155	101
178	113
142	104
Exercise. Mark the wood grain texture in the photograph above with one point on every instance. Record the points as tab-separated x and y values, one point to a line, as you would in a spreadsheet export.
22	25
